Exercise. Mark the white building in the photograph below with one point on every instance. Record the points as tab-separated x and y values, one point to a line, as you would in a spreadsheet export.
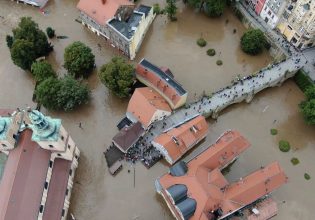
272	11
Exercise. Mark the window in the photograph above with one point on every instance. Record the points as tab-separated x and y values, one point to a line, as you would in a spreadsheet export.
67	191
51	163
70	172
51	146
63	212
59	155
41	209
3	145
46	185
69	146
62	137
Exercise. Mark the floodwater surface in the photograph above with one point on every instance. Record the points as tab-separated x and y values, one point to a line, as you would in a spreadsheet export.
131	194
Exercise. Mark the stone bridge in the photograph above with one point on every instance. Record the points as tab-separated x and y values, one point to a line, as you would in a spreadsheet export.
243	89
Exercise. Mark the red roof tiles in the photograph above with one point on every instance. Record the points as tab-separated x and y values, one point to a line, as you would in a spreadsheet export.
208	187
22	184
145	103
102	10
57	189
177	141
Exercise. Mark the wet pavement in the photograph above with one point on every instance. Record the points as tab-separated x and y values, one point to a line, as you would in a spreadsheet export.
96	194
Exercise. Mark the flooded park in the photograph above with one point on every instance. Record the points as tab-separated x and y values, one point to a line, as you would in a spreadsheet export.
131	194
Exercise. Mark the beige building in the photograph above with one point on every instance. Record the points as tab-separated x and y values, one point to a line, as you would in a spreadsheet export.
298	23
118	21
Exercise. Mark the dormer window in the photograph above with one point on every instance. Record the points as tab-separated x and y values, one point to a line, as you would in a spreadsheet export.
51	146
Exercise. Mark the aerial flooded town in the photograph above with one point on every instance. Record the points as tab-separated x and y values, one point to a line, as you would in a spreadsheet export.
157	110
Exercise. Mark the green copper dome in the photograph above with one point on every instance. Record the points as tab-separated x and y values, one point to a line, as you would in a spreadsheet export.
44	128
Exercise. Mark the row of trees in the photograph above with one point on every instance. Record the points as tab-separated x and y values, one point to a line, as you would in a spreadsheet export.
29	43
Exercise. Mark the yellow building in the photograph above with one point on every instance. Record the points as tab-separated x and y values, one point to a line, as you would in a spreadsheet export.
298	23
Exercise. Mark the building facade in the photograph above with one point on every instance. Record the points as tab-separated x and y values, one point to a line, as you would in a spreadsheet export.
272	11
118	22
39	169
298	23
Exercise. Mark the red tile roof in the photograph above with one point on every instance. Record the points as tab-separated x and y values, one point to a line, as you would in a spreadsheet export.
209	188
144	103
100	12
178	141
162	82
57	189
22	184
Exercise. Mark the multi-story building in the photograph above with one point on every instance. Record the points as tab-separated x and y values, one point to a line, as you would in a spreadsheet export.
39	166
117	21
147	106
197	190
272	11
163	82
298	23
174	143
256	5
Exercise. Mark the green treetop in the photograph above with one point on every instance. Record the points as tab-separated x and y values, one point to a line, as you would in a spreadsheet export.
118	76
79	59
253	41
42	70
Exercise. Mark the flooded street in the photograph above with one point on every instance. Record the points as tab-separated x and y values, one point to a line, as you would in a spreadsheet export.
131	195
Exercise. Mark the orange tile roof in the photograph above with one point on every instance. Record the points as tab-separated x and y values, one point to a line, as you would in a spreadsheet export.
163	82
209	188
178	141
144	103
100	12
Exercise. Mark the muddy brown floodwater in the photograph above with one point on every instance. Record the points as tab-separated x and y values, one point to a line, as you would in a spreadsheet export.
96	194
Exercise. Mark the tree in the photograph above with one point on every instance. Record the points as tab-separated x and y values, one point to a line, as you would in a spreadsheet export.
47	93
72	94
308	106
28	30
198	4
118	76
62	94
171	9
22	54
42	70
50	32
310	92
214	8
9	40
253	41
79	59
308	110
